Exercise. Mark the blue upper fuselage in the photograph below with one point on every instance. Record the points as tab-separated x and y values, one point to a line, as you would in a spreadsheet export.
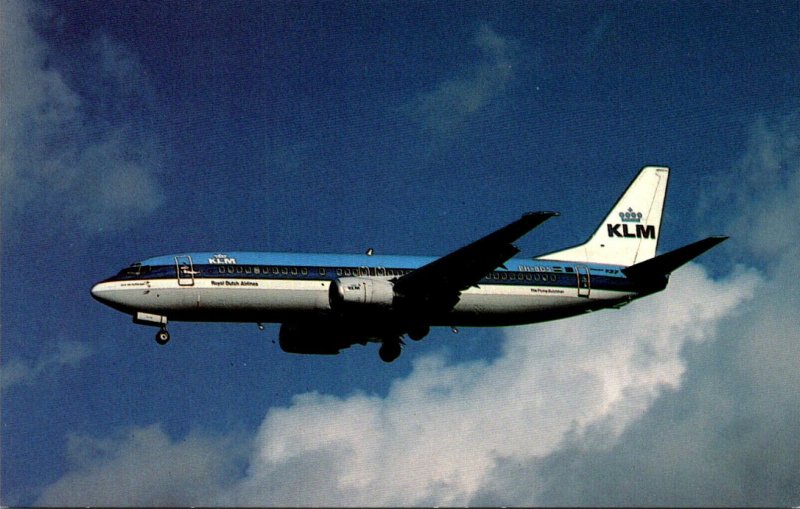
361	260
389	265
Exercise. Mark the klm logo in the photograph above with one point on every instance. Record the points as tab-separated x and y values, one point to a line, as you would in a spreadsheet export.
641	232
221	259
630	219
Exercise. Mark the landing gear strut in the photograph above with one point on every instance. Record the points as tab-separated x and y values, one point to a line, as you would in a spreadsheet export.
162	336
390	349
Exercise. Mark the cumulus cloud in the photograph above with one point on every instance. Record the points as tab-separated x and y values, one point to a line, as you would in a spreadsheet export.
727	436
144	467
438	435
764	186
68	353
76	150
453	102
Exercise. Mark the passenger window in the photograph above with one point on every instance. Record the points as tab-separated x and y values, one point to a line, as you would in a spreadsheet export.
294	271
248	270
321	271
256	270
284	271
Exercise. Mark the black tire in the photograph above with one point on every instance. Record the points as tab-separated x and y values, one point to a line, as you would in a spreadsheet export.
390	351
162	337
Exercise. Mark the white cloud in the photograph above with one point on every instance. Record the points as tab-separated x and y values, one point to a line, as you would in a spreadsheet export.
439	433
727	436
68	353
764	186
453	102
144	468
79	156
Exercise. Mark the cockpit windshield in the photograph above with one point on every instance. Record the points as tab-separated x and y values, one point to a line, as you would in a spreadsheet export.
135	269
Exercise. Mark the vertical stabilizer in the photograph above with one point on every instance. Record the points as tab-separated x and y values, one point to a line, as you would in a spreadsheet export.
629	234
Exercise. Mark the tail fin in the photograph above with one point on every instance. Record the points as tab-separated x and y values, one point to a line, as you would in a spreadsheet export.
629	234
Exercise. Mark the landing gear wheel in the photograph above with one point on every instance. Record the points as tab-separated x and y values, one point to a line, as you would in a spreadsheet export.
390	350
162	337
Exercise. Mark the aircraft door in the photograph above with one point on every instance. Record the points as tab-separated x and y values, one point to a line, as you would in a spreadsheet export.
584	281
185	270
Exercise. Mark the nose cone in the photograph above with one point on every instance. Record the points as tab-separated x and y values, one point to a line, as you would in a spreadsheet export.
97	293
108	293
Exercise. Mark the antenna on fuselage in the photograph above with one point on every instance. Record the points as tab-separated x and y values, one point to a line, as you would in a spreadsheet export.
370	252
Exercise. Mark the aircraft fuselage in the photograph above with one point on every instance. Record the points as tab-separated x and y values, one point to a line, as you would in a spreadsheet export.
275	287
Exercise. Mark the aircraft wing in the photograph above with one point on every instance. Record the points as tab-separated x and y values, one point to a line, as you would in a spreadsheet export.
437	285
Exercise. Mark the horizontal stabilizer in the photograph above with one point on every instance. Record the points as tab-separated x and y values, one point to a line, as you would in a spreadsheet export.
668	262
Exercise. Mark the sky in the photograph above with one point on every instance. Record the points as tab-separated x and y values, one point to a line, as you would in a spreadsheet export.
130	129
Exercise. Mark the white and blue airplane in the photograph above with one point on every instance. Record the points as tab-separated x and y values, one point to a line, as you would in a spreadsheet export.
328	302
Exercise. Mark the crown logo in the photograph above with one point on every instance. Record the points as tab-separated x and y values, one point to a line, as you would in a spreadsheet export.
629	216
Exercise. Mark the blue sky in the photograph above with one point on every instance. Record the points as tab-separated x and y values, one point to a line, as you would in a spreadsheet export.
131	130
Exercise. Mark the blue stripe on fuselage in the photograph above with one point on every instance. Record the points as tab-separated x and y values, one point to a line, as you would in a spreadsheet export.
295	259
354	260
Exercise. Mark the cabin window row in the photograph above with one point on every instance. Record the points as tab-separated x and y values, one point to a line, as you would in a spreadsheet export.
265	270
523	276
305	271
369	271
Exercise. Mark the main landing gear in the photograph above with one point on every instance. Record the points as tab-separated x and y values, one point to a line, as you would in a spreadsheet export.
162	336
393	346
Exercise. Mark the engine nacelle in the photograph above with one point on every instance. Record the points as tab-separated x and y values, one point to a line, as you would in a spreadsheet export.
295	338
358	291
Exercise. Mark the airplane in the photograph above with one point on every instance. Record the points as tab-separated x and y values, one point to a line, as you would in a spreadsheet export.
328	302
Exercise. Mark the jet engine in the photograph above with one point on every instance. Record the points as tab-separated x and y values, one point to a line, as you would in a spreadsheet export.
356	291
